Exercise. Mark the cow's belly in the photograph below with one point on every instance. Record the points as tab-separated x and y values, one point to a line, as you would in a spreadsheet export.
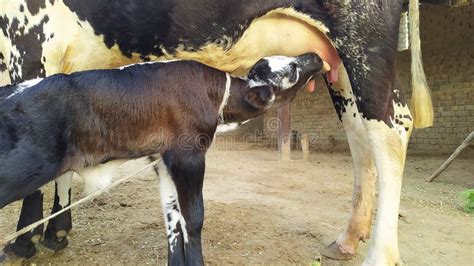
71	44
280	32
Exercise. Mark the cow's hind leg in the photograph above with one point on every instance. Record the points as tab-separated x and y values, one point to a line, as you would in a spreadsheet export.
389	145
181	180
358	228
55	236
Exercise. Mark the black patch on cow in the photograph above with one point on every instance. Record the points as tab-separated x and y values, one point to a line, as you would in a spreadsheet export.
3	65
34	6
29	45
145	26
4	23
136	26
22	8
366	39
339	102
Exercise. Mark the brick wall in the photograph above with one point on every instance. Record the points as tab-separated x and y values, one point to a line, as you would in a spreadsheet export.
448	54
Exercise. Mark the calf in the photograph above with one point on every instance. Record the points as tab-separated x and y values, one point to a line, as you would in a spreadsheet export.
98	119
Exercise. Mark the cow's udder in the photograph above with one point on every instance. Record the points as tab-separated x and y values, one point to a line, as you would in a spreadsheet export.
282	31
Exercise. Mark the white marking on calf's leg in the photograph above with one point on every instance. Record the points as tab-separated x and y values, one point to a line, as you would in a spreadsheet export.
64	185
171	208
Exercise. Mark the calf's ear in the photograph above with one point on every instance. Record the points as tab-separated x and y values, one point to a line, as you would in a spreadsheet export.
260	97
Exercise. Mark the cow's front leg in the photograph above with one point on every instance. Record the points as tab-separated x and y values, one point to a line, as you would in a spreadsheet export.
358	227
31	211
55	237
181	180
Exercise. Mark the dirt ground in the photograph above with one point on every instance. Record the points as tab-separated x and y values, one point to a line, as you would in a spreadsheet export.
262	211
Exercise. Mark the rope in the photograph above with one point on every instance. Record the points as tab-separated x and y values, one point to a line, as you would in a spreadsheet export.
88	197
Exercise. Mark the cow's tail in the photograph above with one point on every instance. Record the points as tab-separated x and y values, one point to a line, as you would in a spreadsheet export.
421	105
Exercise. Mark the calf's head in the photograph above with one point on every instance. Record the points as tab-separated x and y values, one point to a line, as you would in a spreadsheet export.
273	81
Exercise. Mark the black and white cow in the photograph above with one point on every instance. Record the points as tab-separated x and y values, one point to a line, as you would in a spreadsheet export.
357	39
169	111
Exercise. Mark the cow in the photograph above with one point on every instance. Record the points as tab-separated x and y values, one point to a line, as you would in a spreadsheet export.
164	111
357	40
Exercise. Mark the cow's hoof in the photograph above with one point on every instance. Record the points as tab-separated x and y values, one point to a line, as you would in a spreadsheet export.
10	259
55	243
21	248
334	252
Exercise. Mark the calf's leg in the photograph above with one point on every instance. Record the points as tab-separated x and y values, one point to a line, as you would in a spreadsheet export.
55	236
31	211
181	181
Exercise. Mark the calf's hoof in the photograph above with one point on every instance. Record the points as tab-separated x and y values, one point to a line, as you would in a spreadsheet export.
7	257
334	252
22	248
56	241
3	257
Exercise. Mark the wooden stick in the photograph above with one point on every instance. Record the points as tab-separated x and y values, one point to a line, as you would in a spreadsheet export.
305	146
284	141
451	158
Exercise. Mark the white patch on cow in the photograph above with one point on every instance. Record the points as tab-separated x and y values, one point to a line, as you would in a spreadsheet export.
225	98
4	43
63	184
99	176
24	86
171	209
365	175
389	152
